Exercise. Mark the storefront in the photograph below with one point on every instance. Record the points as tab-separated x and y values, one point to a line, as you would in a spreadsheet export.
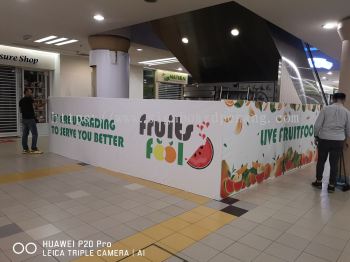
25	68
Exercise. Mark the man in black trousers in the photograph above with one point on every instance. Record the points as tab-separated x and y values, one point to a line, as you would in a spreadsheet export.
332	127
29	122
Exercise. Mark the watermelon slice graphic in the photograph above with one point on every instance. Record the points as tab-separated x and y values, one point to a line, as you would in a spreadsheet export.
203	156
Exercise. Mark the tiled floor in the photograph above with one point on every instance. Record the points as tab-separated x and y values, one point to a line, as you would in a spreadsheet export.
47	198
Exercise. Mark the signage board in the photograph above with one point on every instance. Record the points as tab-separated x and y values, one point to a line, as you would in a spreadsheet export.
171	77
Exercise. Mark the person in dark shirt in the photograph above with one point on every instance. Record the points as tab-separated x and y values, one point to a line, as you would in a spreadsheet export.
29	122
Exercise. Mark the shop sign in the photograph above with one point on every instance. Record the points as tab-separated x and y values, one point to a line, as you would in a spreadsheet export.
21	59
171	77
28	58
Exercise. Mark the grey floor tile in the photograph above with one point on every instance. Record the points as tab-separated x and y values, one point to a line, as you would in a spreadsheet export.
43	231
263	257
322	251
304	257
81	232
119	232
200	252
9	229
77	194
140	223
245	205
244	224
216	205
293	241
158	216
242	252
217	241
231	232
222	257
282	252
267	232
255	241
173	210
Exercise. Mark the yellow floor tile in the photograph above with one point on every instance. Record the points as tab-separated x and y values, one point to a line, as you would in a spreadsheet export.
176	242
157	232
137	241
136	259
183	194
210	224
89	259
37	173
195	232
198	199
222	217
190	217
175	224
155	254
205	211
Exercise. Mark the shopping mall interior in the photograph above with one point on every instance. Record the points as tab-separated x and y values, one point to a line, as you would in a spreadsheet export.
170	130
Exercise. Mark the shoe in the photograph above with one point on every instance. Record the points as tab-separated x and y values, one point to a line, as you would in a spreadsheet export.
25	151
317	184
36	151
331	189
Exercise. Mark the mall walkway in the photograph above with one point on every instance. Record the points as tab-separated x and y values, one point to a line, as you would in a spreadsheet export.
48	197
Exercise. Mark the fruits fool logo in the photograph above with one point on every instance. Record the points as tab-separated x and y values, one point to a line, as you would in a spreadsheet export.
174	152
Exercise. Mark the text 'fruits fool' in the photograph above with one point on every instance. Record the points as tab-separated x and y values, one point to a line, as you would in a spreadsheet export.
171	130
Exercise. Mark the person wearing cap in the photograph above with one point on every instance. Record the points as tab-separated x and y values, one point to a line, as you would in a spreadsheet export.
332	127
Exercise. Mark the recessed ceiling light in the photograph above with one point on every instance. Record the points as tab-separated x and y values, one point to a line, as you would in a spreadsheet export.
45	39
330	25
179	69
67	42
99	17
235	32
139	49
330	73
185	40
324	78
56	40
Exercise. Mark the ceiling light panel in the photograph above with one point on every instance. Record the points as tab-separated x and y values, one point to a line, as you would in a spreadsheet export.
56	40
67	42
45	39
162	61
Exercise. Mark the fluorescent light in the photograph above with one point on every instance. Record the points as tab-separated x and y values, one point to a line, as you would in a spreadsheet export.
235	32
45	39
67	42
324	78
330	25
329	73
179	69
321	63
99	17
139	49
56	40
162	61
185	40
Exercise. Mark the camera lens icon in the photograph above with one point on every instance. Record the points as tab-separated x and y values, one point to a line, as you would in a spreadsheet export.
19	248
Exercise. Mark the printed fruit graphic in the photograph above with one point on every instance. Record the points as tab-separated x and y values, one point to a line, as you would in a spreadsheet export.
239	126
267	171
237	182
260	176
229	103
278	167
203	156
170	154
158	151
225	176
251	112
252	178
229	186
289	165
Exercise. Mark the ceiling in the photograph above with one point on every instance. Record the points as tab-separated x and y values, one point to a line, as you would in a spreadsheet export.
73	19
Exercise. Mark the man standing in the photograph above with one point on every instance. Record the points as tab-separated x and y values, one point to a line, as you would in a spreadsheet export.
332	127
29	122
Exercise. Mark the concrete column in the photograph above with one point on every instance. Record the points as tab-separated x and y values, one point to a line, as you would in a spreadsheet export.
110	61
344	79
